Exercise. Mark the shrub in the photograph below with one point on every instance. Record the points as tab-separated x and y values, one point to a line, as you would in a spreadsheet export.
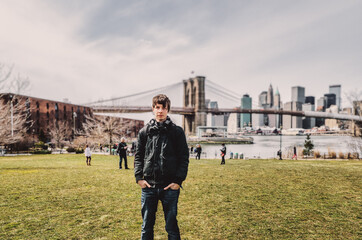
341	155
355	155
317	154
41	151
70	149
332	154
41	145
79	150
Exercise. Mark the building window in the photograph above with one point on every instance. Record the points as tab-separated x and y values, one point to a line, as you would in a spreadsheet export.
47	105
37	104
65	112
27	105
56	111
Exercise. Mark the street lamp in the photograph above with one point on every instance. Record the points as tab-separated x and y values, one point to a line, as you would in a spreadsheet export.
280	149
33	137
74	116
12	114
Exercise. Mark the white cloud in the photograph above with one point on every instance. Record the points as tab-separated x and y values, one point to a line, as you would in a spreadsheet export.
86	50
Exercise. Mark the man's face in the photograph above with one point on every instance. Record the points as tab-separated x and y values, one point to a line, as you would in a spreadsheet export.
160	112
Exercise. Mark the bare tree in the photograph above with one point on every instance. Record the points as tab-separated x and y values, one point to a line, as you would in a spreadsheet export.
19	84
59	132
355	144
5	73
103	129
14	115
14	120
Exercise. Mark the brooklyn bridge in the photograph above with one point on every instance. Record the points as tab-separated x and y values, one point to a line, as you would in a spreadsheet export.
195	110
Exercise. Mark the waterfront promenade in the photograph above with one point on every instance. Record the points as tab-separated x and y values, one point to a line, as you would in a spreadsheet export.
267	146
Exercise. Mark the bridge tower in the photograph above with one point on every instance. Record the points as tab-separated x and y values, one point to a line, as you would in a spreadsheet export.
194	96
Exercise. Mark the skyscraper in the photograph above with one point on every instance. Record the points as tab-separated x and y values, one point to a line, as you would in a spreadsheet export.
263	103
308	122
336	89
277	99
245	118
263	99
292	121
298	94
329	99
321	105
270	100
217	120
277	106
310	99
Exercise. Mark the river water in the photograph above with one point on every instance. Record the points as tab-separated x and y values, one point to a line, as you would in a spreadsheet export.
267	146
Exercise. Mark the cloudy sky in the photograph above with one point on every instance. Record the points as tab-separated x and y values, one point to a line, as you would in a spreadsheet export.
85	50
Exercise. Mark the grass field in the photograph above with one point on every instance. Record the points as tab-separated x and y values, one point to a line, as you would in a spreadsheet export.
59	197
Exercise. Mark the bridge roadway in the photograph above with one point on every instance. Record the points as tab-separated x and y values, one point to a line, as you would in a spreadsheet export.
219	111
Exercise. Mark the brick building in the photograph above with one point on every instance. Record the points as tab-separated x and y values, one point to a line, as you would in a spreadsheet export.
43	113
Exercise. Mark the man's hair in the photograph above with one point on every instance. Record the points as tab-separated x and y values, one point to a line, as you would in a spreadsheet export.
161	99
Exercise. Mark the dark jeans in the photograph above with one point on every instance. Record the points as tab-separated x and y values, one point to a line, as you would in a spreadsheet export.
169	200
198	155
88	160
125	161
223	159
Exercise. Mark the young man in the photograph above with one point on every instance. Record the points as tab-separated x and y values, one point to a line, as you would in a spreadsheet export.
161	164
122	151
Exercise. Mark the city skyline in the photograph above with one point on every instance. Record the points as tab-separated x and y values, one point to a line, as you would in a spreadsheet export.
87	50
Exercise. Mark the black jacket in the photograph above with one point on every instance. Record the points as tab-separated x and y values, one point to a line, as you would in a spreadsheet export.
121	151
162	155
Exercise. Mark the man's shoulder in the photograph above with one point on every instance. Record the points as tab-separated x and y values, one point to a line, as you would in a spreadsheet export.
143	130
177	128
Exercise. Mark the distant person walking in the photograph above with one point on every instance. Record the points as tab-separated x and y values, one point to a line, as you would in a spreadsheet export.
122	151
223	153
295	153
88	155
198	151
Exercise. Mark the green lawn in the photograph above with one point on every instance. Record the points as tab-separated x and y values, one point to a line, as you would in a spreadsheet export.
59	197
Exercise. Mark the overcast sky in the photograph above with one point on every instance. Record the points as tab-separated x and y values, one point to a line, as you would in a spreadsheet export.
85	50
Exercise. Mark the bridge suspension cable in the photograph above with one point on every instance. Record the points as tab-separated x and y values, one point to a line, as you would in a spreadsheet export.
169	91
222	93
225	90
136	94
228	92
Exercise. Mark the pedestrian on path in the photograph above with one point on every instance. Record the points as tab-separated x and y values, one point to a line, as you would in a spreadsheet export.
295	153
122	151
88	155
223	153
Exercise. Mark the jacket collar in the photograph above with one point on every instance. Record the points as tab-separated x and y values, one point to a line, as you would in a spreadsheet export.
159	127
